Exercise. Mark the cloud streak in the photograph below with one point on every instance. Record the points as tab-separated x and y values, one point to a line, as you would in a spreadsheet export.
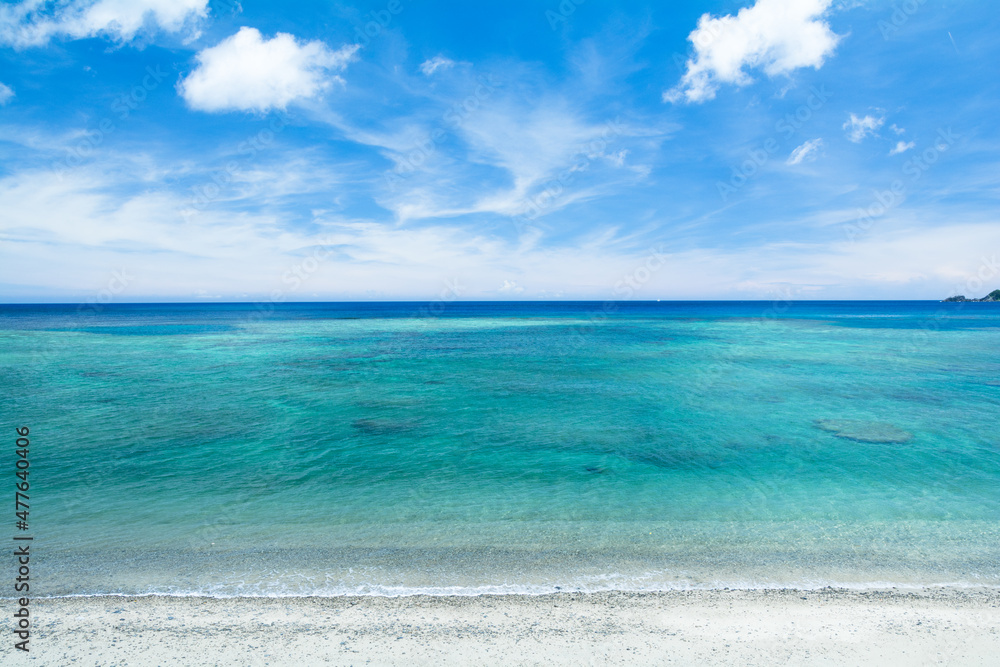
428	67
805	151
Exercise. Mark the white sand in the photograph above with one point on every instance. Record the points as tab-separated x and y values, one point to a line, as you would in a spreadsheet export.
829	627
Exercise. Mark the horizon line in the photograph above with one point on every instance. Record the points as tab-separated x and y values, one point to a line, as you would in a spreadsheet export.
466	301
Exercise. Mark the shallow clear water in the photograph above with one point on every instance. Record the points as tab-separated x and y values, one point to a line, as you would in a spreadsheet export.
341	448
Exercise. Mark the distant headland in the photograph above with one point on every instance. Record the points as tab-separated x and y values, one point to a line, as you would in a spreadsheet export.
992	296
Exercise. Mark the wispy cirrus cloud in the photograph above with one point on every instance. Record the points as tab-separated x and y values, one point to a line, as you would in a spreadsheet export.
428	67
487	143
542	158
85	223
805	151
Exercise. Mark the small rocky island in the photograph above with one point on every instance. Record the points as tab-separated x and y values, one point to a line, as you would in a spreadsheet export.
992	296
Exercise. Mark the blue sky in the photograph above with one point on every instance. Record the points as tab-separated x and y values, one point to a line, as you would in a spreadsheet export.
769	149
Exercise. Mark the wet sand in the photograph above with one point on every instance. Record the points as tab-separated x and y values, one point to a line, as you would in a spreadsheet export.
826	627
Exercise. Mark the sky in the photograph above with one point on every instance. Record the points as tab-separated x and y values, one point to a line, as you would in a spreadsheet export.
196	150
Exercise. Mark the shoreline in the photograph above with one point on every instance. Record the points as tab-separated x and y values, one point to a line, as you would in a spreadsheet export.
768	626
863	587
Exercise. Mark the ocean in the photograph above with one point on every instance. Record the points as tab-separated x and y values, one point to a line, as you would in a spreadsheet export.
460	448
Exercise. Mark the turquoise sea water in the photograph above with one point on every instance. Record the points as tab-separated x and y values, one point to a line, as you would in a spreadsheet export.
324	449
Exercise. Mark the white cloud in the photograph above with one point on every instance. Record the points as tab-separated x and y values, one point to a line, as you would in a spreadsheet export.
778	36
895	128
246	72
618	158
6	93
804	151
902	147
510	287
428	67
859	128
35	22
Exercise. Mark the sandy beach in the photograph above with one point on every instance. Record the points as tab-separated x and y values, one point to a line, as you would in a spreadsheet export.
825	627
